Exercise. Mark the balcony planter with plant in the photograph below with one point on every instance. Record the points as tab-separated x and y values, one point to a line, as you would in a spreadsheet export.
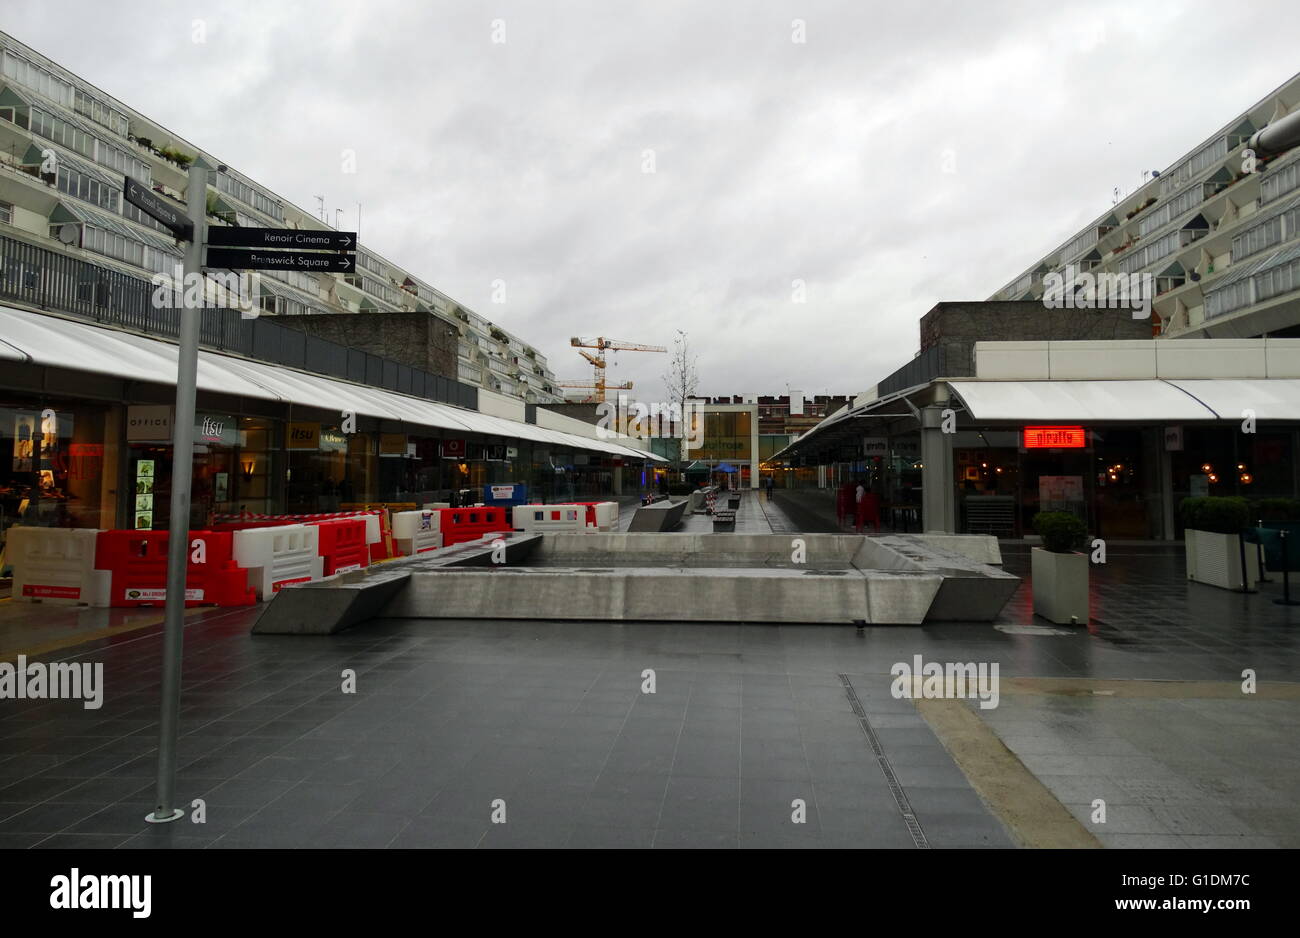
183	160
1212	536
1059	570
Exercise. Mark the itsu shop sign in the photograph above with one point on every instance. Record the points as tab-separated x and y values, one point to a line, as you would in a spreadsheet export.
216	429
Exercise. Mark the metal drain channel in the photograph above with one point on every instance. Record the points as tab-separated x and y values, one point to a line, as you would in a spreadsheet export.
895	789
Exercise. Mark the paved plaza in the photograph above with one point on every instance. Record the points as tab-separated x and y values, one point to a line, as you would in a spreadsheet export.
754	736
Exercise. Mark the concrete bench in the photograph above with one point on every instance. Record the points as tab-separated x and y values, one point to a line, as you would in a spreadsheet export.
661	516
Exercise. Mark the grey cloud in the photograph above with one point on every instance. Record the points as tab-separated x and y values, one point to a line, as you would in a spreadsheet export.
775	161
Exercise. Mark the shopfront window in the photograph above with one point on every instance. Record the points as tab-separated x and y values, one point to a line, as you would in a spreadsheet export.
1224	461
235	466
1126	490
57	467
319	464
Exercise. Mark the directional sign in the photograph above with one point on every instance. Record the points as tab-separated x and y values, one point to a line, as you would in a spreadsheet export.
171	214
234	259
221	236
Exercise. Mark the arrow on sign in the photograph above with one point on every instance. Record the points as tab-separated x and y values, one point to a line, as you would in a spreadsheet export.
291	238
229	259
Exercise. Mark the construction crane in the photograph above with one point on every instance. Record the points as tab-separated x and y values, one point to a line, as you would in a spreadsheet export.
598	360
578	383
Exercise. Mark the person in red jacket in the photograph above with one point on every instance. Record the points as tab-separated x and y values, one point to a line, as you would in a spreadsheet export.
843	503
871	512
867	507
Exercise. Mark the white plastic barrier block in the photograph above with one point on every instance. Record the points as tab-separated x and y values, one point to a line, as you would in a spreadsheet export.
538	519
277	556
417	531
428	505
607	516
372	527
56	565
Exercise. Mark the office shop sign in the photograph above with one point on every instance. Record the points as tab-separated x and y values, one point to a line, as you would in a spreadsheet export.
148	423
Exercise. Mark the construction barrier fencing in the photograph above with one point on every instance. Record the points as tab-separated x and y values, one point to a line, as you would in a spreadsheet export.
416	531
342	544
137	565
56	565
276	557
538	519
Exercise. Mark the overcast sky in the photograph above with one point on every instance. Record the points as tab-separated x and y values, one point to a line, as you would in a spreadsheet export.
774	161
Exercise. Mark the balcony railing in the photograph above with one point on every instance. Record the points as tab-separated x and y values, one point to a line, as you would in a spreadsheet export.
64	284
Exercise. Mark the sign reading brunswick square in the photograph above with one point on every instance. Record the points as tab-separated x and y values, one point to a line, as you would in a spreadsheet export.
235	259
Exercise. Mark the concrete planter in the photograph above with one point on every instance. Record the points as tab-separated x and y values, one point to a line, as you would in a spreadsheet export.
1060	585
1215	559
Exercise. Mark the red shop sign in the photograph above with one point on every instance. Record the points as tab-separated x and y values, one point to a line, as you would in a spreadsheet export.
82	461
1055	438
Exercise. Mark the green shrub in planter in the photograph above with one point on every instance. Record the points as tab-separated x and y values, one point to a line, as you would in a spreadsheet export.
1275	509
1062	532
1220	515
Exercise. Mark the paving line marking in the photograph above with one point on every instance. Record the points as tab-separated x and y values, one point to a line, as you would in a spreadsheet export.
1025	805
895	789
81	638
1111	687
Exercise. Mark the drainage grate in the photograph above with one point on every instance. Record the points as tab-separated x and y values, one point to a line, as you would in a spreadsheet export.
895	789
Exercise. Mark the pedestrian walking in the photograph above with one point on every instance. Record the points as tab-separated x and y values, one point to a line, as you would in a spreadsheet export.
871	509
859	506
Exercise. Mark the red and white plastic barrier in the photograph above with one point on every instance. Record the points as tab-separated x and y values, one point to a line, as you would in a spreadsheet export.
56	565
416	531
137	563
538	519
343	544
275	557
459	525
603	516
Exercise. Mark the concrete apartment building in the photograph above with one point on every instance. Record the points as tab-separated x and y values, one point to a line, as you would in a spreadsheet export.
64	149
1218	229
1082	406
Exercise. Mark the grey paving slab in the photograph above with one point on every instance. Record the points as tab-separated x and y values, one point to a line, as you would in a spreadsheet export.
549	717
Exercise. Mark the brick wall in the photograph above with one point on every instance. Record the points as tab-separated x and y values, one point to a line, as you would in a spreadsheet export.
422	340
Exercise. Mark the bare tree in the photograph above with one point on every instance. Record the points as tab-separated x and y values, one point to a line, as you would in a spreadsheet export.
681	378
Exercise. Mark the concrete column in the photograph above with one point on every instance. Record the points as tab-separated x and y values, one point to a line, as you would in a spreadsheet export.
1166	489
938	496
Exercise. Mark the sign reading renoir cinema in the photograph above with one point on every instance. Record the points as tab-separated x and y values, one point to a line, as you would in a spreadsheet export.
220	236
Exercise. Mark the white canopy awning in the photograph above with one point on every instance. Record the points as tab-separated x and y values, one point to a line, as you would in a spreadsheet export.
1231	398
65	343
1152	400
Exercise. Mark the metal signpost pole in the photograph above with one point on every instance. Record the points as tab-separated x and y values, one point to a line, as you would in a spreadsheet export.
182	470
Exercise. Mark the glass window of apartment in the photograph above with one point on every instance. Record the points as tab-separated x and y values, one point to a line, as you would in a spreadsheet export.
1258	238
1282	279
371	263
1279	182
237	188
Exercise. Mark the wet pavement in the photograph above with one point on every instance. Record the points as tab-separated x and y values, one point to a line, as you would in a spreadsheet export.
485	734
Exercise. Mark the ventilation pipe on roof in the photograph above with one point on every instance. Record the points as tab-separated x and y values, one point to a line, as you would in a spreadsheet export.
1278	136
